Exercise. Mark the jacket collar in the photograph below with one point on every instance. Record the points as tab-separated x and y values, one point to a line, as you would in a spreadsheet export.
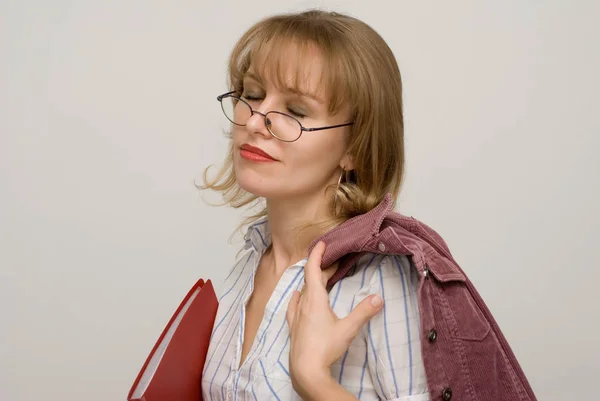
354	234
384	231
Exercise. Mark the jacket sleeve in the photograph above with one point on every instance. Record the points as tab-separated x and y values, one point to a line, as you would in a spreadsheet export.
392	336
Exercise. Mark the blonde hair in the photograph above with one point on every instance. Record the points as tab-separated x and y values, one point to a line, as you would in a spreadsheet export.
361	73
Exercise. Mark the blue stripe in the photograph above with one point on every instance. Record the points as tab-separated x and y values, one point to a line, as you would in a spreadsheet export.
387	340
242	322
215	349
262	337
252	388
236	280
276	337
283	323
250	377
362	284
255	228
284	369
233	303
362	375
267	381
284	345
259	223
337	294
343	364
261	237
233	269
223	387
281	300
236	385
262	346
250	380
410	382
263	340
219	366
374	357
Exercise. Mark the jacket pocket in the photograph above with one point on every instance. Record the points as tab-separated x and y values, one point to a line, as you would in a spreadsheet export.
464	317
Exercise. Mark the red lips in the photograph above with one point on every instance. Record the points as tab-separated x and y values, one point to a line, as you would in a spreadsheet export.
257	151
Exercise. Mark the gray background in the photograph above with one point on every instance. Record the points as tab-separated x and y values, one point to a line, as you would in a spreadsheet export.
108	115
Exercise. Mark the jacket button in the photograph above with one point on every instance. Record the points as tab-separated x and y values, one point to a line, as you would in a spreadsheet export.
381	247
447	394
432	336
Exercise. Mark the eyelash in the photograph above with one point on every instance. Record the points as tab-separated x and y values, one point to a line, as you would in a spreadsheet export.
255	99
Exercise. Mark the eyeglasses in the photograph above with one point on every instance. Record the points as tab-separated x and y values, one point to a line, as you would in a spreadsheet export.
282	126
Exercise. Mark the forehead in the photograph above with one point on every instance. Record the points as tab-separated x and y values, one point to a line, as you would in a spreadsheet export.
290	67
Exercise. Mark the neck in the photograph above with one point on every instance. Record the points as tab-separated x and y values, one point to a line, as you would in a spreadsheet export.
285	217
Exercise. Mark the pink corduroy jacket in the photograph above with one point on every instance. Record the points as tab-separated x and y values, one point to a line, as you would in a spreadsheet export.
465	355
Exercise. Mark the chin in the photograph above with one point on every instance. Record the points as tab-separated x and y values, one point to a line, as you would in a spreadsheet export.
252	182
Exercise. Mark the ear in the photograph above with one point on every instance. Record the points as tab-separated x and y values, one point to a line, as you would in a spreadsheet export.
347	162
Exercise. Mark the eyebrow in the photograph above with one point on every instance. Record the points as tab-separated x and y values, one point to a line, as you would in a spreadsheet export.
295	91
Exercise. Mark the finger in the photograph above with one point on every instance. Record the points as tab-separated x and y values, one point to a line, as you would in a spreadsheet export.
292	307
312	269
327	273
363	312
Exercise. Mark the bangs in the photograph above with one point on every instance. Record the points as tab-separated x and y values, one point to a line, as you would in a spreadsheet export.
286	57
355	73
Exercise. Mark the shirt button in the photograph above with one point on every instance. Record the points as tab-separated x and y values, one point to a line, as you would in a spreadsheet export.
432	337
381	247
447	394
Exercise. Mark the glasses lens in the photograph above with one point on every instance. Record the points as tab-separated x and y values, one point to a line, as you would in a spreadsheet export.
236	110
283	126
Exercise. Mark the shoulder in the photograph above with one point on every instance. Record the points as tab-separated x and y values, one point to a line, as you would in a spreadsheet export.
392	337
387	275
372	269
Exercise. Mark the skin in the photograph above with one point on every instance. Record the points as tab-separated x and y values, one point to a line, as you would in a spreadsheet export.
318	337
294	188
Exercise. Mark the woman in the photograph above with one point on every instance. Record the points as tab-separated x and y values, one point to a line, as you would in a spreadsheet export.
317	132
315	103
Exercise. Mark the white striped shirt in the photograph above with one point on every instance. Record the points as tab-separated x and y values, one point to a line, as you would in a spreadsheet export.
382	363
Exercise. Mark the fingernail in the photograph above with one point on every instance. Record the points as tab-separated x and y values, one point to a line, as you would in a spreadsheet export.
376	301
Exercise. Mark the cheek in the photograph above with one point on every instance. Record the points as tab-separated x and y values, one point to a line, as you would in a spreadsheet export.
317	157
322	145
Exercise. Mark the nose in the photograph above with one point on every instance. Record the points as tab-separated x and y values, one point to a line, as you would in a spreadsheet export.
259	123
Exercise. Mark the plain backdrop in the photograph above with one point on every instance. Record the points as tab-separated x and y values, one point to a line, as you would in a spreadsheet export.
108	114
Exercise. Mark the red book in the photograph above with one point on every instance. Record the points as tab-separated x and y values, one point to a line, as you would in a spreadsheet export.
173	370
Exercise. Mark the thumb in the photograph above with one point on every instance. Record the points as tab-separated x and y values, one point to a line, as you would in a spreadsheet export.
363	312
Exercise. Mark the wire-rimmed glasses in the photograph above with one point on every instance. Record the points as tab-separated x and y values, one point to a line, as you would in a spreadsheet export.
282	126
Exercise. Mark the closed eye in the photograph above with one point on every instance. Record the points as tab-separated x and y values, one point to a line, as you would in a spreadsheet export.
296	114
251	98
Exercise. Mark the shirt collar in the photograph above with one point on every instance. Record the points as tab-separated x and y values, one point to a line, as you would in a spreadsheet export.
259	234
361	227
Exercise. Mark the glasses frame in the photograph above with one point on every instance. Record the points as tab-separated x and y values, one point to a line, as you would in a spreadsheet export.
303	129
